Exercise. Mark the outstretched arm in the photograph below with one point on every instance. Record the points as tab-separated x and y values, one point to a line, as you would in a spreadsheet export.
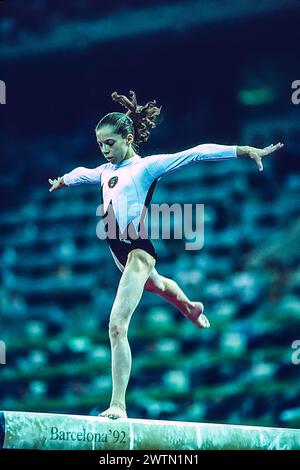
258	154
164	164
80	175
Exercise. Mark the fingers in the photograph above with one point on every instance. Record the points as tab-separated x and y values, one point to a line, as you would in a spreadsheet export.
267	151
279	145
272	148
53	183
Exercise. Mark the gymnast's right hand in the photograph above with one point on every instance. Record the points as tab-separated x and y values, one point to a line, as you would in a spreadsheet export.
57	183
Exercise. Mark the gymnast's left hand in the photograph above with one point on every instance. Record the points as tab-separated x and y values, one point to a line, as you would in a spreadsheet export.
258	154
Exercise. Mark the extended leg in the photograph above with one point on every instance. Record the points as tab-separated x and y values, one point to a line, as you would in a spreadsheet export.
130	290
170	291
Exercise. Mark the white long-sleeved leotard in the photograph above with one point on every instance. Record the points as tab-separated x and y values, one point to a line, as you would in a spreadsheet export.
131	183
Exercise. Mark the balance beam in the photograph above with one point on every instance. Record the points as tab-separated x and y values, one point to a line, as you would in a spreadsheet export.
46	431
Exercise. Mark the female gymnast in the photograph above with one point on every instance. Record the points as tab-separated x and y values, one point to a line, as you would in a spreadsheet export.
127	175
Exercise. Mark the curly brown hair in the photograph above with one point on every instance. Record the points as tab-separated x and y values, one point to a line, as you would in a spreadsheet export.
138	120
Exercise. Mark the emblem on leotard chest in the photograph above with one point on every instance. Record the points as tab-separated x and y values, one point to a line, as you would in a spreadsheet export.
113	181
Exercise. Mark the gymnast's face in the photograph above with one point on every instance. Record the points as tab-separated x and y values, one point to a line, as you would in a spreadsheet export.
114	147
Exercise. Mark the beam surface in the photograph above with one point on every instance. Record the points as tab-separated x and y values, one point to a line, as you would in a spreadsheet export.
45	431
